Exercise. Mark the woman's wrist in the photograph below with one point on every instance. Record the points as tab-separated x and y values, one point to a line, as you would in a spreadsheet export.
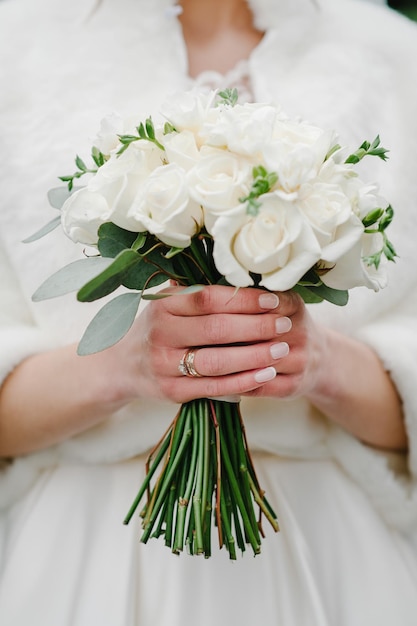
355	391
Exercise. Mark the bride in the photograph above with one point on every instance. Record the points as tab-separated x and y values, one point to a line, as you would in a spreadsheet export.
328	394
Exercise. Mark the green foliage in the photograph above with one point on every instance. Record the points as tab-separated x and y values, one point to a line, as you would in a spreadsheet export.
110	324
71	277
380	219
146	131
47	228
263	181
312	290
109	279
368	149
113	239
228	96
82	169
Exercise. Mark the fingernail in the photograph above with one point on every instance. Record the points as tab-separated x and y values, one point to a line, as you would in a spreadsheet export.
263	376
268	301
283	325
278	350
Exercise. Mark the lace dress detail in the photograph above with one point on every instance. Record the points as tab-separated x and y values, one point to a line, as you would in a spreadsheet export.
238	77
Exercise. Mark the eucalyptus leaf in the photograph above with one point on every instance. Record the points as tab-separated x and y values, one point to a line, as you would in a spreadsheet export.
184	292
111	278
47	228
307	295
110	324
153	262
113	239
335	296
58	195
70	278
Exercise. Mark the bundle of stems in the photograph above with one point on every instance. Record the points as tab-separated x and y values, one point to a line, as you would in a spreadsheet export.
206	469
206	474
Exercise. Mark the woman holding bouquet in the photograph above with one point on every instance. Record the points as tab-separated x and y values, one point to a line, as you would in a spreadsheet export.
327	392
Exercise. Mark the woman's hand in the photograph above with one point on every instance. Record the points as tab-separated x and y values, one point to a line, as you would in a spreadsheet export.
255	343
249	342
243	338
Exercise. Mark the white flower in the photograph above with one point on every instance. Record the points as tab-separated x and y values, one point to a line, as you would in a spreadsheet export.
217	182
188	111
120	179
181	148
244	129
82	215
107	138
277	243
330	215
296	152
352	271
164	208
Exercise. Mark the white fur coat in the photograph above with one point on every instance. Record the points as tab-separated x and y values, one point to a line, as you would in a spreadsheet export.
342	65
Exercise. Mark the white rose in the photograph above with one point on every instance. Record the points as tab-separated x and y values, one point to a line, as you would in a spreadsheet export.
120	179
164	208
296	152
352	271
277	243
330	215
82	215
244	129
188	111
217	182
107	138
181	148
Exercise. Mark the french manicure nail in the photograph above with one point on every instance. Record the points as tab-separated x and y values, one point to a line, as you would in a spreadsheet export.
266	374
278	350
283	325
268	301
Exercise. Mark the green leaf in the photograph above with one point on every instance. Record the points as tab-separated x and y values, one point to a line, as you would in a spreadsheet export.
169	128
139	241
151	262
113	239
111	278
372	217
173	252
307	295
97	156
80	164
332	151
229	96
47	228
184	292
58	195
335	296
110	324
70	278
387	218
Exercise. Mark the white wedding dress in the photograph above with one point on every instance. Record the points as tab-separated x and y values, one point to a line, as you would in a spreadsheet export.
348	514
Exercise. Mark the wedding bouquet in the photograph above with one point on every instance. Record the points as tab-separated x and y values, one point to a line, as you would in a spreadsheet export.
217	193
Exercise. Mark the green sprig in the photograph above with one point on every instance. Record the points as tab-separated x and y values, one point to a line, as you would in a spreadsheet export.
146	132
377	221
368	149
82	169
263	181
228	97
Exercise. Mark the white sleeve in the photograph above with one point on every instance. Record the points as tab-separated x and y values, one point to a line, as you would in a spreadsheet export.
389	479
19	336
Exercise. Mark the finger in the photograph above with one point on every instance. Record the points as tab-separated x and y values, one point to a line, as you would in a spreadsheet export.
217	330
184	389
234	359
220	299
